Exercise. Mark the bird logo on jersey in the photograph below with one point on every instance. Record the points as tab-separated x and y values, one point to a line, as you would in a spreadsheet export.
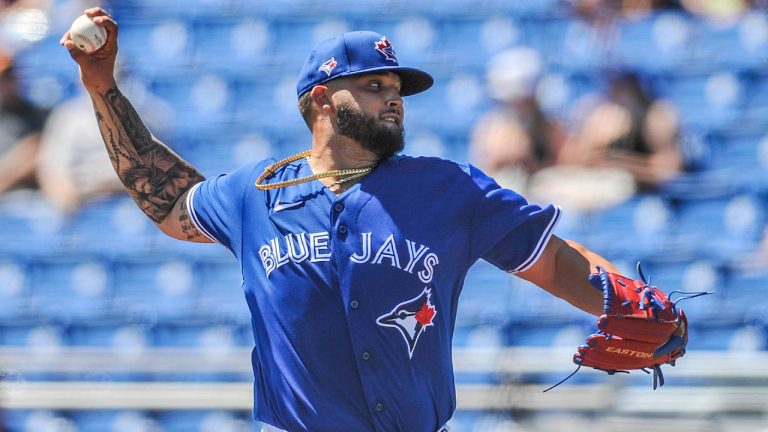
328	66
411	318
384	46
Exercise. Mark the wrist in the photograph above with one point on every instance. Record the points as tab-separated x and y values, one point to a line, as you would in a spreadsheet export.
99	87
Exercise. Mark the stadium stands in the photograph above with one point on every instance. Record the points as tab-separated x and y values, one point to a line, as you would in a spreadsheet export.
105	278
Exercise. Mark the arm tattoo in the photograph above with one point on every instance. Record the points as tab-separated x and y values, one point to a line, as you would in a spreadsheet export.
187	227
154	175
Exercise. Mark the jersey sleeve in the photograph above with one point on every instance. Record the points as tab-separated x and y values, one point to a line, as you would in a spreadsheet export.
507	231
216	206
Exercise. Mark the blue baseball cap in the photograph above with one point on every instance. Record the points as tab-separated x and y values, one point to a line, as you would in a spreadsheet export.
355	53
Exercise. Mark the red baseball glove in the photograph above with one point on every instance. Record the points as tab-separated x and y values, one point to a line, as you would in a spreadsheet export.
641	328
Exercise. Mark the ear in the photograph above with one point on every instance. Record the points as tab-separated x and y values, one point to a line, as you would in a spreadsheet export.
321	98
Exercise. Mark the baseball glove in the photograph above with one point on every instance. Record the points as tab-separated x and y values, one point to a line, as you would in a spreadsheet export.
641	328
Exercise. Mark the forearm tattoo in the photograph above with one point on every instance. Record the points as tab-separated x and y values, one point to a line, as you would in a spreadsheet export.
187	227
154	175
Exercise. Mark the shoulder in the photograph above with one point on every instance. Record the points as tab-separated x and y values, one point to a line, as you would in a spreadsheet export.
440	166
241	179
423	171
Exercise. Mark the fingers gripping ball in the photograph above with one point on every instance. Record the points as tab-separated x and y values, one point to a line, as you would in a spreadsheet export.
87	35
641	328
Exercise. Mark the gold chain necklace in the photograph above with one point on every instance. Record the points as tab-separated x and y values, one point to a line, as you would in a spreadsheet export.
269	171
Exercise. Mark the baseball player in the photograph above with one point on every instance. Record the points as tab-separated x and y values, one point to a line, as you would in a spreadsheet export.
353	256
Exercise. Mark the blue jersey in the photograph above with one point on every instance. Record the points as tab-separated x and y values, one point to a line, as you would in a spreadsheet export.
353	296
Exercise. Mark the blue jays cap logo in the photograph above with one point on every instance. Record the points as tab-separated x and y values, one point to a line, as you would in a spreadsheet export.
328	66
384	46
411	318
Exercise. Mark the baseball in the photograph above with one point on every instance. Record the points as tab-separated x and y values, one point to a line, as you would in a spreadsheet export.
87	35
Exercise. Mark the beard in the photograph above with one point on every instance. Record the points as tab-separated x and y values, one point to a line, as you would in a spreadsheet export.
382	139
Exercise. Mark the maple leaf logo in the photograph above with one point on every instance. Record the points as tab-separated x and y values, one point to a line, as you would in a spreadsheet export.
384	46
411	318
425	314
328	66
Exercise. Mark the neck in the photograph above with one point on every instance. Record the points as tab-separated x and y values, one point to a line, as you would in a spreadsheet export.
340	153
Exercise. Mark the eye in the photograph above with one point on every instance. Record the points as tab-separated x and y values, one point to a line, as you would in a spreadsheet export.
376	85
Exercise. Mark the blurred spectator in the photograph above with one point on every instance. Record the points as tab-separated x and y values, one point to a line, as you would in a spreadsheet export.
716	9
73	167
618	143
517	138
627	129
594	11
20	126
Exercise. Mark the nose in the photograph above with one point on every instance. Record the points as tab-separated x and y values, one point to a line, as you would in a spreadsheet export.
395	101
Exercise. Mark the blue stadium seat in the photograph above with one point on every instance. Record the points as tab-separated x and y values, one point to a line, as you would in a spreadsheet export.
163	245
477	421
113	421
756	99
206	420
265	101
47	74
743	155
542	333
460	97
207	334
642	224
706	102
123	335
221	292
154	288
480	336
494	422
226	151
529	303
746	290
660	42
30	226
691	276
526	9
469	41
36	420
157	46
241	46
14	289
735	44
129	339
70	288
547	35
110	227
296	36
423	142
39	338
34	333
215	341
200	102
486	297
732	338
729	225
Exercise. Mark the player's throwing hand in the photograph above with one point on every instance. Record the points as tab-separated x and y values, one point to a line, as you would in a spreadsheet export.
97	68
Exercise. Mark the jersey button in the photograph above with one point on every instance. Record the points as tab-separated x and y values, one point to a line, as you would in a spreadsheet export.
354	304
342	229
366	356
379	407
338	207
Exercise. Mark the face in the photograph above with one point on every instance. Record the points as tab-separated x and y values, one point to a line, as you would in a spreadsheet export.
369	109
